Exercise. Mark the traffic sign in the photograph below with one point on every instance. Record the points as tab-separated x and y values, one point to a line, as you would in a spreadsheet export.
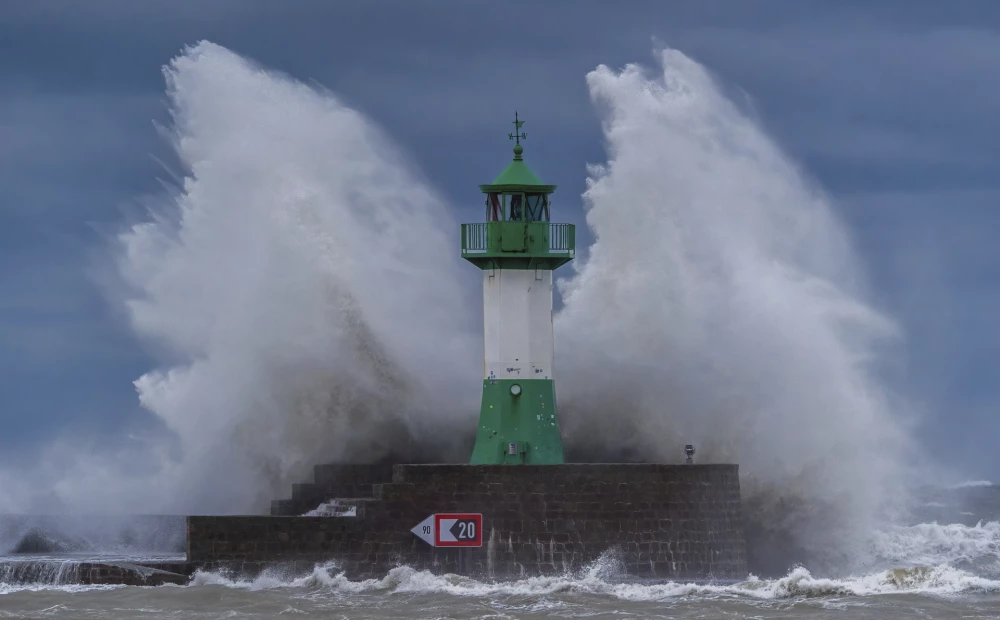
451	529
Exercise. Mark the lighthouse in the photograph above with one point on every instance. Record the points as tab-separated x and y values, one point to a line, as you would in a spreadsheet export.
517	248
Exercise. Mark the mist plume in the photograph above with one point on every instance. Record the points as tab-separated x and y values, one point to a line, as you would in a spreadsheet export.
304	288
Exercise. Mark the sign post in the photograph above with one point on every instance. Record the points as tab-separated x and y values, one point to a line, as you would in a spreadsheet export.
451	529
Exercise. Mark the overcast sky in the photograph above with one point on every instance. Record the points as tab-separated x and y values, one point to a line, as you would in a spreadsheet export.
891	106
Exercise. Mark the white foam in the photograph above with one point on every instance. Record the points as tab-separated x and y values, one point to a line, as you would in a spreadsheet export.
323	575
933	544
938	580
333	508
8	588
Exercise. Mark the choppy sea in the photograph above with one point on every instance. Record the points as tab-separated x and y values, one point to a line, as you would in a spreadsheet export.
945	567
944	571
937	592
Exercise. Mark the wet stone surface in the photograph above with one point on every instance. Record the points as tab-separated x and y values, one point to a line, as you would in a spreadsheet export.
660	521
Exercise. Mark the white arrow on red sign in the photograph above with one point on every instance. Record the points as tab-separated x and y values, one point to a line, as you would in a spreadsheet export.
451	530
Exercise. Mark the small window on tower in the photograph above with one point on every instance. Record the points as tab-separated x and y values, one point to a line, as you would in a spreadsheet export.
494	210
516	207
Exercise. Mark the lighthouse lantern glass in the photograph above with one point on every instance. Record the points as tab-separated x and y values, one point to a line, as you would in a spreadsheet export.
517	207
494	207
537	208
516	210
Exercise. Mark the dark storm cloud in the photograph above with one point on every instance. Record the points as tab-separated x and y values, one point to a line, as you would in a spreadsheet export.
891	106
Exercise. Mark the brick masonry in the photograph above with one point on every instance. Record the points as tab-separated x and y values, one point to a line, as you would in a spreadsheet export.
660	521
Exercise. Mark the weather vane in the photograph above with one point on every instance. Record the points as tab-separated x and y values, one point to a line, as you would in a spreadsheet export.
517	127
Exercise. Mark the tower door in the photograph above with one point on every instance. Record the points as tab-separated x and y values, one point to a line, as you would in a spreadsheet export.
512	236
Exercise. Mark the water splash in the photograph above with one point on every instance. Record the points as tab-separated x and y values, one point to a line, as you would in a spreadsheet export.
304	289
39	572
975	548
334	508
596	580
721	305
304	282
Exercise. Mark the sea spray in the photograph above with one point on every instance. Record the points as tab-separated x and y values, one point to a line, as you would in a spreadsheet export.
304	284
722	306
975	548
304	290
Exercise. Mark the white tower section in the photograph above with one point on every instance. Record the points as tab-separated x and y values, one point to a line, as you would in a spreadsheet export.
517	316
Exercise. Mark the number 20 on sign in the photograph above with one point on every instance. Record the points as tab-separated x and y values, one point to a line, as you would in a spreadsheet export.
451	529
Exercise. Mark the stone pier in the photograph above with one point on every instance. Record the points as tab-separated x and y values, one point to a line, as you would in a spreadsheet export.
659	521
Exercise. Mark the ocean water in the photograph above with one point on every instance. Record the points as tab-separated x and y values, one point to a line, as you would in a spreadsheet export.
597	592
934	571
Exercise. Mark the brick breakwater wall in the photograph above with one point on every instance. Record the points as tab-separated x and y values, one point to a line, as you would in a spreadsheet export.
661	521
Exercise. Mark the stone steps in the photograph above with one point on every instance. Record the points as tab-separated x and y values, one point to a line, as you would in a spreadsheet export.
354	474
331	482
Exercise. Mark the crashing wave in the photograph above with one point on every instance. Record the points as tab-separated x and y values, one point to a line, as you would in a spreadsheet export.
798	583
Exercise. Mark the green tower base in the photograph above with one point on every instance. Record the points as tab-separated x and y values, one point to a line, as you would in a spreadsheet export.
518	429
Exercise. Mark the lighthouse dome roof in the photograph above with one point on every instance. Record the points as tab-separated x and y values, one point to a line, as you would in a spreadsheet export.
518	176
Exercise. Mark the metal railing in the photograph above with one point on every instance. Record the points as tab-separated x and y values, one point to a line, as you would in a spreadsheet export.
561	238
474	239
